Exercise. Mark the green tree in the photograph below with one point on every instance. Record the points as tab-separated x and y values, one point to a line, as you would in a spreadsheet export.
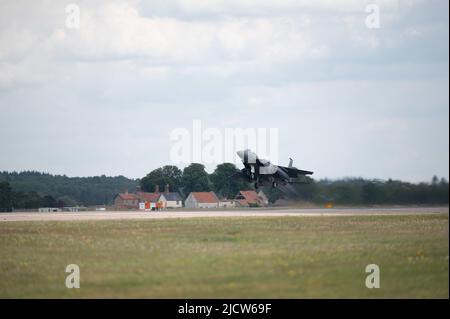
5	197
48	201
307	190
26	200
28	189
195	179
225	180
66	201
434	180
82	190
373	193
168	174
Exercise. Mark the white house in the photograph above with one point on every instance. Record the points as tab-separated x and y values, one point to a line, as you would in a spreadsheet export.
166	200
173	199
202	200
227	203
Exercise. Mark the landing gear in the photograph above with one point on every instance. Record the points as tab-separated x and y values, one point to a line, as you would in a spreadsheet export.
256	185
274	184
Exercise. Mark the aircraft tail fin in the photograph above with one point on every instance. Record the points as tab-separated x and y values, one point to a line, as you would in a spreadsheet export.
290	162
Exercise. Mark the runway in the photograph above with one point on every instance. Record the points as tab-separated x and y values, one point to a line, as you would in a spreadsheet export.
271	212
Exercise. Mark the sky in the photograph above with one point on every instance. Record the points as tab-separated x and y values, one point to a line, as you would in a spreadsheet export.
349	96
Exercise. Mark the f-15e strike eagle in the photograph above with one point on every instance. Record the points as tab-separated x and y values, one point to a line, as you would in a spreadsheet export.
260	171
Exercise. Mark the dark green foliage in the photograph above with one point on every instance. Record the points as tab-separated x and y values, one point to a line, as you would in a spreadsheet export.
358	191
28	200
34	189
5	197
48	201
223	184
195	179
168	174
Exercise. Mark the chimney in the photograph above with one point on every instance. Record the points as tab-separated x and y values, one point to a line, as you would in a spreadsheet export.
166	189
156	188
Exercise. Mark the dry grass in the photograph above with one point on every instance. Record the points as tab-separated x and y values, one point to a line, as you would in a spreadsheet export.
283	257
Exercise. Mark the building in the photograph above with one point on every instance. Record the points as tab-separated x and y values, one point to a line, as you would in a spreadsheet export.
148	201
173	199
202	200
251	199
226	203
151	201
126	201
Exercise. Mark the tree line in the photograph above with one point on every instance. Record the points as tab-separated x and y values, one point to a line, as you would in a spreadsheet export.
350	191
34	189
359	191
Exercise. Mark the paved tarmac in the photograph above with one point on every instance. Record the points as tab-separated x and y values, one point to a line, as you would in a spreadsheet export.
272	212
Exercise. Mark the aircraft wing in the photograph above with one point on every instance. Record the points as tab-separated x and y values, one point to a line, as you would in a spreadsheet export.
294	172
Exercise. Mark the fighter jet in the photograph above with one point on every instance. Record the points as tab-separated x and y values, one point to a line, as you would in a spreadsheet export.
260	171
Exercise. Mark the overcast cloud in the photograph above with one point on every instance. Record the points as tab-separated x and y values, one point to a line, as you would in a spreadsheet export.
103	99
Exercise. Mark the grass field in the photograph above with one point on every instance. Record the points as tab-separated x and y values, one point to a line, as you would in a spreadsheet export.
273	257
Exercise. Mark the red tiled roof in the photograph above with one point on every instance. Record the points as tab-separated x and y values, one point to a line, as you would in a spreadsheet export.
205	197
127	196
148	197
250	196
